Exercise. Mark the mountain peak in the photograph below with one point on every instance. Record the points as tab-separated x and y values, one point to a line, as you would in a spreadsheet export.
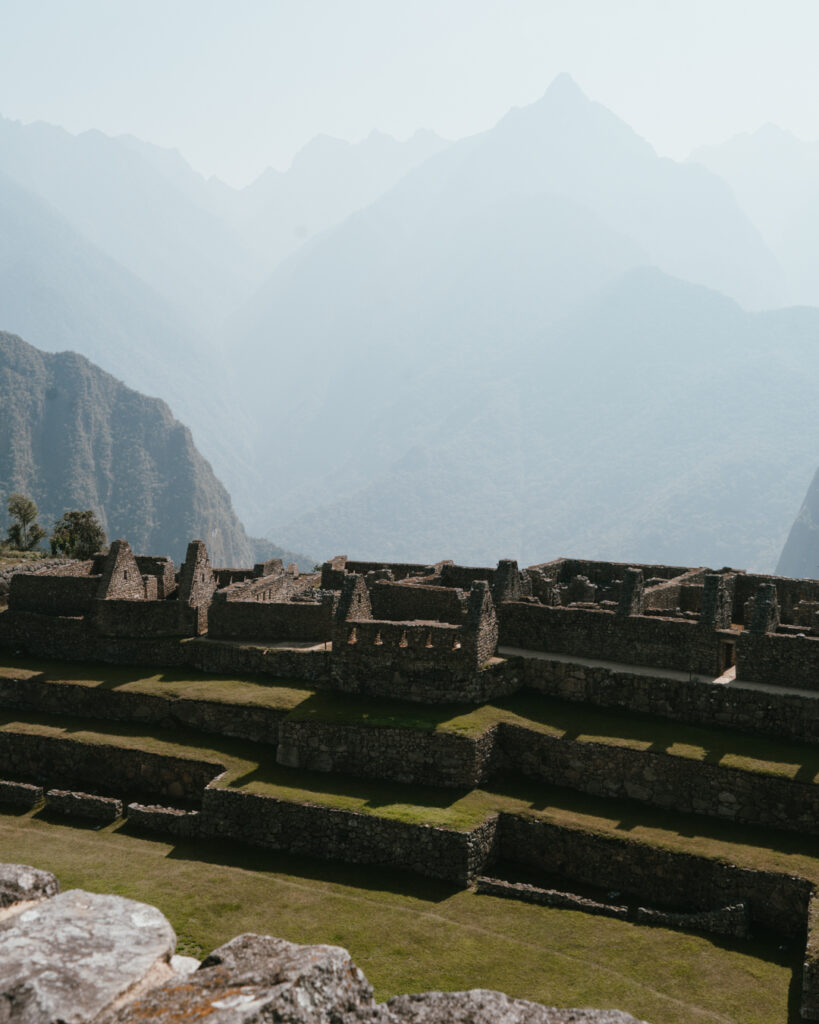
564	89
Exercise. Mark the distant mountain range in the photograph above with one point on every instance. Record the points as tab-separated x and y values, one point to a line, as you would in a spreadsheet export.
775	177
73	437
541	339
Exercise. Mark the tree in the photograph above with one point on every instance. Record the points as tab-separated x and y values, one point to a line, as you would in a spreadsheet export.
24	534
78	535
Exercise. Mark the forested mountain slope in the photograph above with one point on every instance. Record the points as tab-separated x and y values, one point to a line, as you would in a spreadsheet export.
72	436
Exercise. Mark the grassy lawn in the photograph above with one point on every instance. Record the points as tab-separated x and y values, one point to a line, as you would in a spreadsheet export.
410	934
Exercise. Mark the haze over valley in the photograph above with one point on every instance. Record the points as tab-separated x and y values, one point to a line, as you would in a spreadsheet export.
542	338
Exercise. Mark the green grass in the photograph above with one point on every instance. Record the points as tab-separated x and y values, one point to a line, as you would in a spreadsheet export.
410	934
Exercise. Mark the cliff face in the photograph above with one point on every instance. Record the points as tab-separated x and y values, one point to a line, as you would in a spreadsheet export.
800	556
73	437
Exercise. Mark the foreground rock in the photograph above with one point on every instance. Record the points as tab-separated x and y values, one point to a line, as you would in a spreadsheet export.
483	1006
255	979
20	883
72	956
81	958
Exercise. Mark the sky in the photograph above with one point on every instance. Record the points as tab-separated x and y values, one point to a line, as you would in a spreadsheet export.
238	85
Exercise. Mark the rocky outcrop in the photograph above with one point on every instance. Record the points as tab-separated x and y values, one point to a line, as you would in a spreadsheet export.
83	958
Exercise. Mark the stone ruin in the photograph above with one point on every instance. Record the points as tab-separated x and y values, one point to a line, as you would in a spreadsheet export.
431	633
86	958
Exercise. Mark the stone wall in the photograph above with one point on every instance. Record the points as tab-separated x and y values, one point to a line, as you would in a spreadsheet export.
68	594
661	878
270	621
334	834
700	702
633	639
116	771
403	755
693	787
779	660
406	601
139	619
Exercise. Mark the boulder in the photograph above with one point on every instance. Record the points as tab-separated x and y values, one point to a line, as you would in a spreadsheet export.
258	978
74	955
20	883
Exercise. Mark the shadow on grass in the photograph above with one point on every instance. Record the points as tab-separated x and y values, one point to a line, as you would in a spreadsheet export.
372	793
626	815
345	709
659	735
298	866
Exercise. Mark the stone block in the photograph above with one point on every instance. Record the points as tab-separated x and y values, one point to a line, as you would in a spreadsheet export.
20	794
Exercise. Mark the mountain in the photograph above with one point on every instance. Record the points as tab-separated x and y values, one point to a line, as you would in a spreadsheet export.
61	292
426	297
72	436
135	214
659	423
800	556
775	177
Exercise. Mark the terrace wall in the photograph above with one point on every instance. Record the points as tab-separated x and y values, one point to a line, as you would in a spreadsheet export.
416	756
663	780
633	639
662	878
116	771
700	702
334	834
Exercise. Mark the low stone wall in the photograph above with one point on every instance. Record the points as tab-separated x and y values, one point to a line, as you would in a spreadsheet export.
661	878
240	721
693	787
20	794
779	660
733	921
548	897
634	639
334	834
810	969
103	809
699	702
167	820
114	770
404	755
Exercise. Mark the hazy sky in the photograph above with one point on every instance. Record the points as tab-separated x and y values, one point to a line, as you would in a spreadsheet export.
240	84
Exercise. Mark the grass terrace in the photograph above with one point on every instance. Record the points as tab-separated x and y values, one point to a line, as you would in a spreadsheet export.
411	934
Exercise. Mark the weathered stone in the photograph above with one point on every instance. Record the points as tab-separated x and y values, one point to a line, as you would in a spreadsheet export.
257	978
71	957
483	1006
20	883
